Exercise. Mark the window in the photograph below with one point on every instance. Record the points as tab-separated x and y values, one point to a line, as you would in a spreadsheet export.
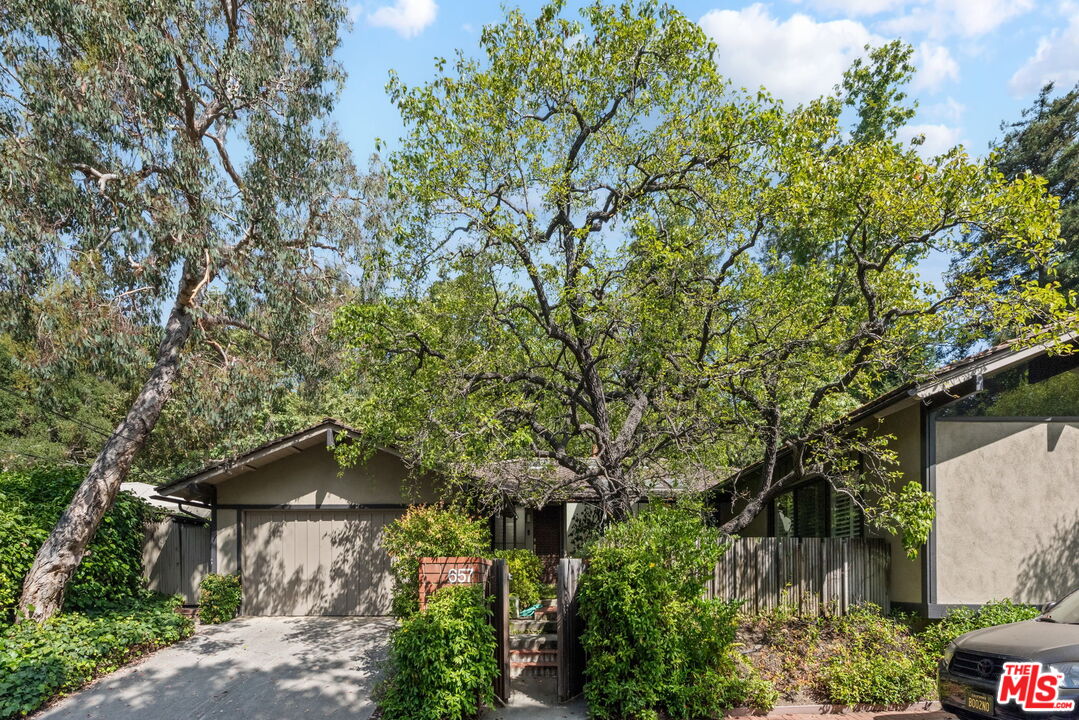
814	510
1047	386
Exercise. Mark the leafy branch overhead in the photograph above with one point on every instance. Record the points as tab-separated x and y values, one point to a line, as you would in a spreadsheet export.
620	267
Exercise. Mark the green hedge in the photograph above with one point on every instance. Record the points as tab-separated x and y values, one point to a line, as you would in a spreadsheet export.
219	598
962	620
654	645
429	531
525	571
38	662
442	660
30	504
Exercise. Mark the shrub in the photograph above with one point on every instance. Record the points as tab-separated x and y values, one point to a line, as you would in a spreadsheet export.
525	570
219	598
30	504
442	660
429	531
654	645
962	620
38	662
878	663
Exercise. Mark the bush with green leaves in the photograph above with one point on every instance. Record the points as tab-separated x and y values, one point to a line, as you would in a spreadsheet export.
525	571
962	620
38	662
654	644
31	502
429	531
219	598
442	660
878	663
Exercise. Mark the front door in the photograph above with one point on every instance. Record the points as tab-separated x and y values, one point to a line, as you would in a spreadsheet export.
547	538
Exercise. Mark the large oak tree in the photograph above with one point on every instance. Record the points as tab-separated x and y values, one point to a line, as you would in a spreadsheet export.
621	266
169	179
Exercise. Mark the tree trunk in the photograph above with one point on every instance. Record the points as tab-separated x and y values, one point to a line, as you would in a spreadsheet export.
61	553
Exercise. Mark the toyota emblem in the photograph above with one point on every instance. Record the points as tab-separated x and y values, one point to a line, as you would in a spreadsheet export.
985	667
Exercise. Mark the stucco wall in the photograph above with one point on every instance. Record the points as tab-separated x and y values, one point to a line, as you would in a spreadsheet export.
313	477
228	529
905	575
1007	523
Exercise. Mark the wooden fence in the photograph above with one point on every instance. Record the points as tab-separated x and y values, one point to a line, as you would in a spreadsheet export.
176	556
816	576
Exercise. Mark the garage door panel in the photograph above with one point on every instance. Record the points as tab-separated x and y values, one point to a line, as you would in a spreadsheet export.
321	562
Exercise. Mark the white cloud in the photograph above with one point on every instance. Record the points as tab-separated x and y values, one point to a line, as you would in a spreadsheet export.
935	66
964	18
938	138
407	17
797	59
1056	60
949	110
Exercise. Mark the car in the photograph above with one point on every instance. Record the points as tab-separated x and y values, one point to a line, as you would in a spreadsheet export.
970	670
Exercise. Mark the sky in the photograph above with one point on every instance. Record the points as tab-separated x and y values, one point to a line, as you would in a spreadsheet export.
979	62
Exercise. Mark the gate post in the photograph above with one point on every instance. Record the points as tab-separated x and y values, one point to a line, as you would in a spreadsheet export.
497	587
571	659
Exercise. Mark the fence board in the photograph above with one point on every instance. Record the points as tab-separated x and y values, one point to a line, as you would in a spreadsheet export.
498	588
814	575
175	557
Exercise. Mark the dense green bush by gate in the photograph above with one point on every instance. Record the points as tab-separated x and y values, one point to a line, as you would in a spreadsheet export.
30	504
219	598
429	531
654	645
442	660
38	662
525	571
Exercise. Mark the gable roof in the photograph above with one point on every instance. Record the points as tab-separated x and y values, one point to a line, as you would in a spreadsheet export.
943	381
323	432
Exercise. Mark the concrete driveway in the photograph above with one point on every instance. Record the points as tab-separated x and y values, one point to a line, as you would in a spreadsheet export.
294	668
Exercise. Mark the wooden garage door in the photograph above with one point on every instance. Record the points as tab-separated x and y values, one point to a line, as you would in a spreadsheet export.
316	562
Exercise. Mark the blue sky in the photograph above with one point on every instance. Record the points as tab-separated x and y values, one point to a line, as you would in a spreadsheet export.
979	61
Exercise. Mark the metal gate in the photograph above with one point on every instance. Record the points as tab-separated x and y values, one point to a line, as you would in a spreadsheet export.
571	659
498	589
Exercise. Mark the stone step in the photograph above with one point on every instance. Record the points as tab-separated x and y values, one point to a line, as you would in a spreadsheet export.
534	658
520	626
534	641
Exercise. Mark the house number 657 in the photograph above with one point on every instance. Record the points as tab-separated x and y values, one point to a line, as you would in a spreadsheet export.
460	575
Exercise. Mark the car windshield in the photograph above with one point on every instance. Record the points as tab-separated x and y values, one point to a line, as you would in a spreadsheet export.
1066	611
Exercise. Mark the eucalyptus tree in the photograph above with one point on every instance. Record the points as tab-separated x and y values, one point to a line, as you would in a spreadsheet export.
169	178
619	265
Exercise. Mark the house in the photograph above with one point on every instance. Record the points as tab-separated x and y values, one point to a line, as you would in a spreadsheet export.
304	533
995	438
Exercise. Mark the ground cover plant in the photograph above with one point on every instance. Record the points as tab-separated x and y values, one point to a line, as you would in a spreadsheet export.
864	657
31	501
442	659
40	661
219	598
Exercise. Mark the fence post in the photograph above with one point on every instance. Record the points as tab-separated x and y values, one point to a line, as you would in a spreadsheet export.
571	658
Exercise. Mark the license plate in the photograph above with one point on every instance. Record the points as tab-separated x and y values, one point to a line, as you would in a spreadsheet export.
980	701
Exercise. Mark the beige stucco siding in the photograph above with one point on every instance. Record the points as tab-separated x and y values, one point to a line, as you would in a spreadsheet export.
227	550
905	428
313	477
1006	519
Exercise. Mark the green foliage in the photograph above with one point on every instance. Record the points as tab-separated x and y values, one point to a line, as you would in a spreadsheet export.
38	662
31	502
908	513
442	660
879	662
429	531
219	597
615	260
653	643
962	620
525	570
